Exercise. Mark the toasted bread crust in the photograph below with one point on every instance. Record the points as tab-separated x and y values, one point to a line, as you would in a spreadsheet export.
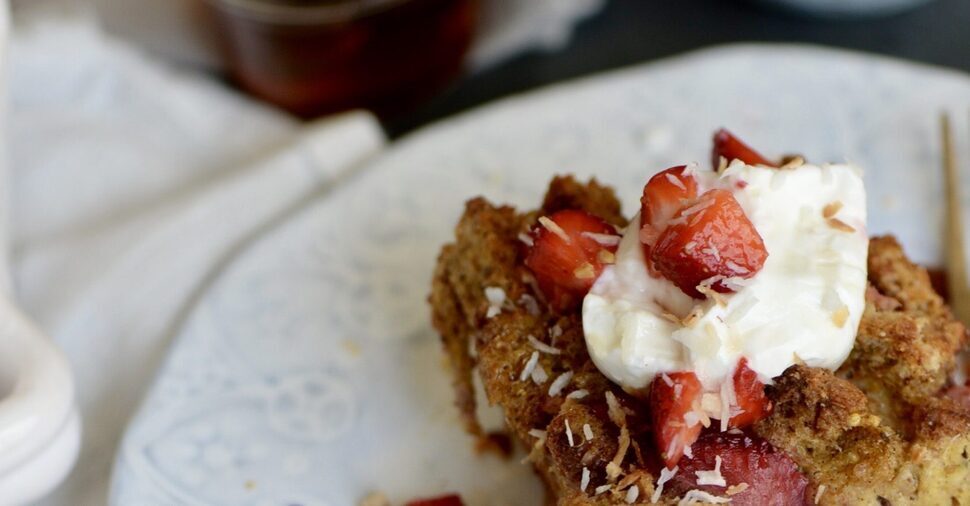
876	432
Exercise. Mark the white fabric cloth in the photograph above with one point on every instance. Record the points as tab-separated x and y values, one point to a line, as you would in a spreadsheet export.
131	184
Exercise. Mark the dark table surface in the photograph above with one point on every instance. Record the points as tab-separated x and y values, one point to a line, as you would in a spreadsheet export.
626	32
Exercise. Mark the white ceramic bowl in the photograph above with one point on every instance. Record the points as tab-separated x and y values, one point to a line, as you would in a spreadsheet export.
39	424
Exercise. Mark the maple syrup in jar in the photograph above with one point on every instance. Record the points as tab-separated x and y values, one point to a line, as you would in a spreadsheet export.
314	57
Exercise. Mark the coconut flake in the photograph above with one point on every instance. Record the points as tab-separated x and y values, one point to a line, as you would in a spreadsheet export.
603	239
542	347
602	489
712	477
539	375
698	207
736	489
735	267
578	394
538	434
587	432
615	410
690	246
674	180
530	304
840	225
555	332
559	383
530	366
554	227
585	271
569	434
632	493
667	379
819	492
831	209
526	238
496	298
693	496
584	482
665	476
688	451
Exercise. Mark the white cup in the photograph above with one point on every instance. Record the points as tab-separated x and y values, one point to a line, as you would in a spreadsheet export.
39	423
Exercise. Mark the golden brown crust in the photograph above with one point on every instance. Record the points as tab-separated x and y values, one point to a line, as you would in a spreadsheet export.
876	432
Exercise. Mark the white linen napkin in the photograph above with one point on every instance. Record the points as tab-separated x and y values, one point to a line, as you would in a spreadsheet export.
131	184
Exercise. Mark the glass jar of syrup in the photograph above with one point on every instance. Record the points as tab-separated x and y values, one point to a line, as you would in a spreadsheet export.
314	57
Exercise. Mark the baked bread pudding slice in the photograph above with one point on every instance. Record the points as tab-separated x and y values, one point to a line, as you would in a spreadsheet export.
862	409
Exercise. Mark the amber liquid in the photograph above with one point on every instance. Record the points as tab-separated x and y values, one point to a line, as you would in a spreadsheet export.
388	61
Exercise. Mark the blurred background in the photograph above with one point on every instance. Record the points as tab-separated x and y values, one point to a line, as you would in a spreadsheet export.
413	61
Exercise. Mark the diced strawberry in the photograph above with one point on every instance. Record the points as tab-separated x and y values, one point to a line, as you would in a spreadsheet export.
750	394
671	397
960	394
770	476
711	238
445	500
665	194
731	148
569	251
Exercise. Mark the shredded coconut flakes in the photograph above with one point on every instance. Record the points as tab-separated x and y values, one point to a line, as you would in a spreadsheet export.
819	492
496	298
542	347
578	394
559	383
539	375
554	228
587	432
569	434
632	493
584	482
530	366
831	209
601	489
603	239
701	496
712	477
526	238
665	476
530	304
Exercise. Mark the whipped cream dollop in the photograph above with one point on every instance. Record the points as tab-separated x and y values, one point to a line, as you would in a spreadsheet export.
804	305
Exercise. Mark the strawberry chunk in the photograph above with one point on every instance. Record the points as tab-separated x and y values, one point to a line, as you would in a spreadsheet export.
712	238
671	397
960	394
750	394
445	500
731	148
569	251
770	475
665	194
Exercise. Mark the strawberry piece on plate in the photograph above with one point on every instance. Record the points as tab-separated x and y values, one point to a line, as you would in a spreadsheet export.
710	240
750	394
672	396
759	473
731	148
445	500
666	193
569	251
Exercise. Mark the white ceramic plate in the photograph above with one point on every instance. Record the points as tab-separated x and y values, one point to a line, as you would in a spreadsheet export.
309	373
